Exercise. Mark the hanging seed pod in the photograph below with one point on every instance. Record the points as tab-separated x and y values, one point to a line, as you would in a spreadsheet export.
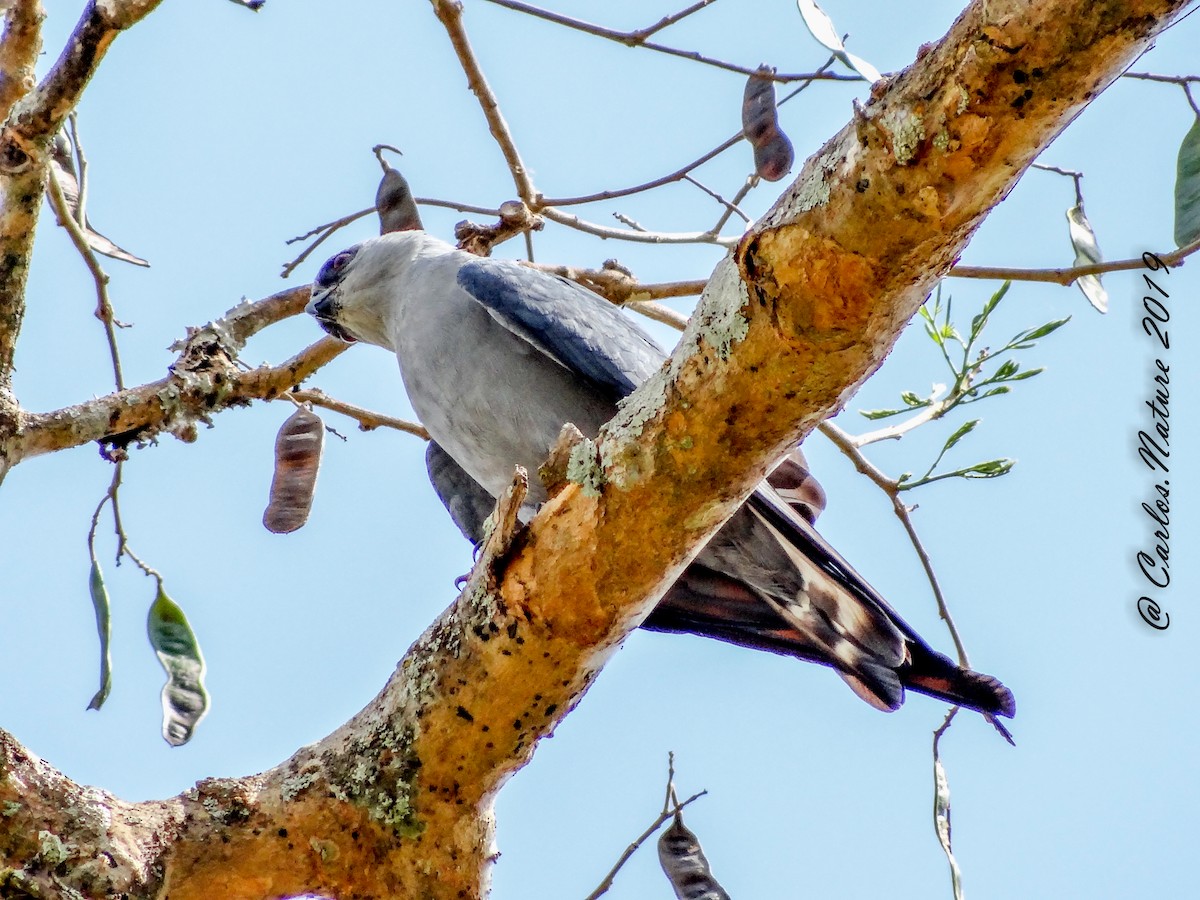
297	459
184	697
685	865
395	205
773	154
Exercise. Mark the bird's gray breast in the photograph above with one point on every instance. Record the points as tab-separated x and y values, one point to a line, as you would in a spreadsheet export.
491	399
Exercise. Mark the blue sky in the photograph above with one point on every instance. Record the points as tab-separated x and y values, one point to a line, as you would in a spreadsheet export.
214	134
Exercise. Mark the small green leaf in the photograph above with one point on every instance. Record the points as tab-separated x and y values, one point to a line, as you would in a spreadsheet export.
993	468
1187	188
1007	369
980	321
965	429
184	699
1023	375
880	413
1087	253
103	629
910	398
1034	334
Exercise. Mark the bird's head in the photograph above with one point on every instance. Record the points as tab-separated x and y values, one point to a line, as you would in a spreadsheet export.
354	292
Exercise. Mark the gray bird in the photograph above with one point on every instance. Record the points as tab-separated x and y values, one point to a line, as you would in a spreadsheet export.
496	357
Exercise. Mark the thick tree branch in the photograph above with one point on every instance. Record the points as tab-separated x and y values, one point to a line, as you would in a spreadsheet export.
203	380
398	801
24	140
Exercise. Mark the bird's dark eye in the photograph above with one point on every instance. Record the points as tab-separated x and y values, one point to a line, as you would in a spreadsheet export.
333	268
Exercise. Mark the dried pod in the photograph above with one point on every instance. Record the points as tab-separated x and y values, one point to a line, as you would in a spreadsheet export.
773	159
685	865
395	205
297	459
758	106
773	154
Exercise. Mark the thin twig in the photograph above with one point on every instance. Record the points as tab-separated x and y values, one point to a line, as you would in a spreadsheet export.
335	224
678	174
449	13
642	33
368	420
729	207
81	171
889	486
1168	79
641	839
637	39
641	237
1069	275
104	310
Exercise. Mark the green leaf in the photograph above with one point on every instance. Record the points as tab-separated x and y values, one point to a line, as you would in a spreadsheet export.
1023	375
103	629
965	429
880	413
1087	253
1007	369
184	699
979	322
910	398
1034	334
1187	188
993	468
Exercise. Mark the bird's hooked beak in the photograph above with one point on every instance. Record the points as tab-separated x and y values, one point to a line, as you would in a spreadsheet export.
323	307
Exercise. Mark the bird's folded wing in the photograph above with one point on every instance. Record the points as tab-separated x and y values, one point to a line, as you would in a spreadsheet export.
568	323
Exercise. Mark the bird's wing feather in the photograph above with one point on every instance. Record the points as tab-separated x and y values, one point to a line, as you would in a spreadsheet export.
565	321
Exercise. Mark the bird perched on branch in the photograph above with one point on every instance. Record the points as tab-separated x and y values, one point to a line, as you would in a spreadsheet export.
496	357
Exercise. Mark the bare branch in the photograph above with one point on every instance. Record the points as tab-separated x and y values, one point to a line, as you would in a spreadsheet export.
203	380
104	310
889	486
638	39
449	13
658	823
678	174
368	420
31	125
1069	275
628	234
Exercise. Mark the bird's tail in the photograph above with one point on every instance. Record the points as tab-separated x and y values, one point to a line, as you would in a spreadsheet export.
710	604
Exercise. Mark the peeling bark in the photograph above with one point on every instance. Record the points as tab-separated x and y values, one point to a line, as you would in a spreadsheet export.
398	801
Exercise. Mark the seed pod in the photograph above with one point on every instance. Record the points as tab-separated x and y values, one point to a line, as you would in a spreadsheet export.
297	459
395	205
773	154
685	865
773	159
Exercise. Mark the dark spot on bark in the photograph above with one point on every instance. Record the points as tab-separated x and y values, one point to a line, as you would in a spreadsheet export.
484	727
550	709
282	832
512	629
1036	73
516	724
463	714
862	184
1020	77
